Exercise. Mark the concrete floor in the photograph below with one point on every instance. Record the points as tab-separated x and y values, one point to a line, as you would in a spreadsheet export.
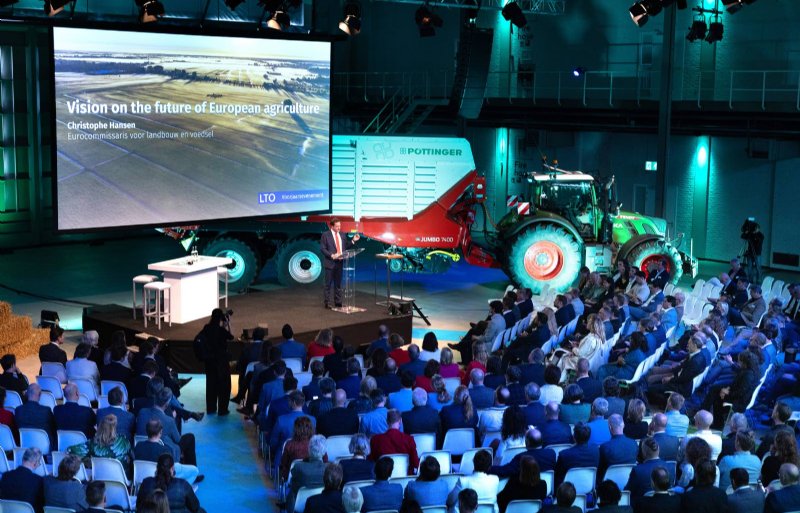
64	278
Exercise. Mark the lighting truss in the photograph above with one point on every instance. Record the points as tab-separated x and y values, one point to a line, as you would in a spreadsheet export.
546	7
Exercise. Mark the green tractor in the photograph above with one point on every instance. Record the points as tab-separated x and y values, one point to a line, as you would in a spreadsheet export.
572	220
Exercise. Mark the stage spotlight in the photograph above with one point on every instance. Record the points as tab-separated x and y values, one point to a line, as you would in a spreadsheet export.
715	31
150	10
53	7
513	13
351	24
427	21
233	4
279	21
578	72
641	11
698	29
732	6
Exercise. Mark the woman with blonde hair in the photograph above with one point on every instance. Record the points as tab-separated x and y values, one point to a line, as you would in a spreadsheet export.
551	321
440	397
587	347
105	444
322	345
480	356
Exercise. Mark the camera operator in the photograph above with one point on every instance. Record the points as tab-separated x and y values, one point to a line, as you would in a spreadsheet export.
754	240
212	342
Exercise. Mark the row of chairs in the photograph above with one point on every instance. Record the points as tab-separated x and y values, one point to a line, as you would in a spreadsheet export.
7	506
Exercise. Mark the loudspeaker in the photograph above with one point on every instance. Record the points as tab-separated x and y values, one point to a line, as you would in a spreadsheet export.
472	71
48	318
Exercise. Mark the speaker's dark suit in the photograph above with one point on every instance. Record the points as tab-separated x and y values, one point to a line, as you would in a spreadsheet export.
52	353
421	419
333	268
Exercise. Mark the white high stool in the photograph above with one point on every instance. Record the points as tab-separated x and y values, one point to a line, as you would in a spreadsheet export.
222	274
160	295
142	279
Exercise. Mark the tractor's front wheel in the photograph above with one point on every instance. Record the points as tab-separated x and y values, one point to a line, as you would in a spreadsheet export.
545	255
645	256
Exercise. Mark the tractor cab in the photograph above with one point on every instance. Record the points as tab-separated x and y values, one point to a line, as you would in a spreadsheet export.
572	196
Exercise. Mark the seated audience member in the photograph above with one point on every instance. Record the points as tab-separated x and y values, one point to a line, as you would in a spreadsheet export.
580	455
421	418
153	447
461	414
565	498
447	368
382	342
374	422
284	425
608	497
704	496
309	472
351	383
482	396
338	421
118	368
592	388
679	378
322	345
779	417
137	386
745	498
66	491
467	501
22	484
106	444
323	402
788	497
382	495
96	497
394	441
330	499
440	397
533	410
515	387
533	371
428	489
250	354
668	445
484	484
291	348
12	378
661	501
352	499
491	420
545	458
742	458
479	361
377	366
389	381
553	430
81	367
179	492
611	394
401	400
551	391
273	388
639	482
172	437
6	416
126	421
31	414
677	423
620	450
625	365
336	363
430	348
363	403
702	421
512	431
52	352
317	372
635	425
296	448
415	366
784	450
526	484
598	423
398	354
573	409
72	416
358	468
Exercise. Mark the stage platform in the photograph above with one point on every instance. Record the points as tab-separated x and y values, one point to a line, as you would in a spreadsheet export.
300	307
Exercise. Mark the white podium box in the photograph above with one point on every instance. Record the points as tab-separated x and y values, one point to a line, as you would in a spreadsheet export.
194	286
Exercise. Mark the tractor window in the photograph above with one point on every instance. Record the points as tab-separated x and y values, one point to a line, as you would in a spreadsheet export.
574	201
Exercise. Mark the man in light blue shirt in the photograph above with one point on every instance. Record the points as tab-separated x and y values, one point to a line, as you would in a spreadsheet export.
742	457
401	400
677	423
290	348
374	422
598	423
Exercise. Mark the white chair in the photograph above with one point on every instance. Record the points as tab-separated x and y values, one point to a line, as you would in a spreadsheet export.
302	496
56	509
141	279
549	478
107	385
139	438
426	442
82	475
557	448
32	437
443	457
7	441
400	464
583	479
486	507
86	387
303	379
523	506
467	466
52	385
509	454
160	295
450	384
13	399
338	447
117	493
66	439
434	509
5	466
84	401
222	275
580	502
402	481
55	370
47	399
491	436
625	500
142	470
458	441
15	507
296	364
619	474
108	469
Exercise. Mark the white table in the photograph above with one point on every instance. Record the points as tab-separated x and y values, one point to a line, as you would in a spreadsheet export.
194	287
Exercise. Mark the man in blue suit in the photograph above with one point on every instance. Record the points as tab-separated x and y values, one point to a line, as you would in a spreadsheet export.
553	430
72	416
126	421
33	415
546	458
649	305
660	277
534	410
290	348
639	481
667	444
744	498
284	427
382	342
333	245
383	495
415	366
669	314
581	455
481	395
21	484
617	451
421	418
788	497
565	312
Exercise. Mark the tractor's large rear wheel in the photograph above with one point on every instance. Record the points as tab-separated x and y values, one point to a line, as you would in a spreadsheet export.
299	262
545	255
245	267
646	256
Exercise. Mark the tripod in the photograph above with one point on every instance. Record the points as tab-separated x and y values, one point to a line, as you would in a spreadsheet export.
751	262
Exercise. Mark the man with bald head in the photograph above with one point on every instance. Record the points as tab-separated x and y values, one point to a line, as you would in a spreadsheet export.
492	419
667	444
72	416
389	381
553	430
415	365
788	497
546	458
340	420
703	420
31	414
620	450
422	418
481	395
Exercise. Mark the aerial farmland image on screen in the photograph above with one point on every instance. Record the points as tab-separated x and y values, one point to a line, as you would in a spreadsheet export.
169	128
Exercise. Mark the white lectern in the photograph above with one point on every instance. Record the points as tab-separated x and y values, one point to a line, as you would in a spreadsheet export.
348	282
194	285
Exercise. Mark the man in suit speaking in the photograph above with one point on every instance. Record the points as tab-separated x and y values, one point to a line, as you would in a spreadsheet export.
333	244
